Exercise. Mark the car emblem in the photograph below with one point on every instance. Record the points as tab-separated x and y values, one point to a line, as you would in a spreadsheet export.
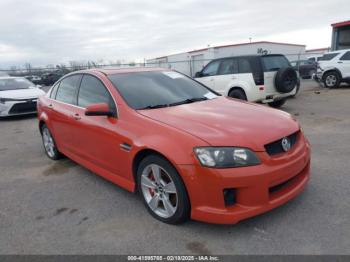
286	145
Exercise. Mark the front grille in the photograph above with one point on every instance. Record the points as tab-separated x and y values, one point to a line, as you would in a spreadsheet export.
23	108
275	147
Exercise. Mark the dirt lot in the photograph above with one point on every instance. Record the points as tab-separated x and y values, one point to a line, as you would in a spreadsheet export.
59	207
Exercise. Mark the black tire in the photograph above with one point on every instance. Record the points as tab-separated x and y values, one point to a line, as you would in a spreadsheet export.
54	154
278	103
183	208
238	94
286	79
331	79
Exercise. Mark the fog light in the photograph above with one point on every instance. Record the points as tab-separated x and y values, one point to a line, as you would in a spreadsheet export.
230	196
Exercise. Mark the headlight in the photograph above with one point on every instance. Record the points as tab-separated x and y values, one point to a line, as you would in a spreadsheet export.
221	157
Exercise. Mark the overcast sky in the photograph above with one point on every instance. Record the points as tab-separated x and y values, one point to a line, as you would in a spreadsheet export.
50	32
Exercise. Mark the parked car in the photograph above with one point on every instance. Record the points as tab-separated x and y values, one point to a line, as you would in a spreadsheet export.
49	79
306	68
188	151
18	96
266	79
314	58
34	79
333	68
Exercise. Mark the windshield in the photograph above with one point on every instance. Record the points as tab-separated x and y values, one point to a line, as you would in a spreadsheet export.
147	90
274	62
14	84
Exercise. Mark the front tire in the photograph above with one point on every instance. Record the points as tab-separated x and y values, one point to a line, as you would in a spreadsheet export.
162	190
49	144
278	103
331	79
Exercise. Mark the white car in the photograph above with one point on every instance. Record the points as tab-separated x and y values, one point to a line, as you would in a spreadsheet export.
333	68
18	96
265	79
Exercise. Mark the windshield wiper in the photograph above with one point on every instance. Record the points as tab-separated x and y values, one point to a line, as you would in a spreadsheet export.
188	101
154	106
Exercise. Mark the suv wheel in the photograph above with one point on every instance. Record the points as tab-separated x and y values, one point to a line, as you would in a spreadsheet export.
278	103
331	79
163	192
238	94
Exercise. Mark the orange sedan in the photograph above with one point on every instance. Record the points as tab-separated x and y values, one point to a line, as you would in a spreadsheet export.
188	151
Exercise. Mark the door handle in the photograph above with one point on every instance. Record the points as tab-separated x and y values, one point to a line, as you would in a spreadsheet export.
76	116
211	79
50	106
340	62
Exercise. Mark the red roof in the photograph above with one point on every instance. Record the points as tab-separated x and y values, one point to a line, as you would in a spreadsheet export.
318	49
344	23
250	43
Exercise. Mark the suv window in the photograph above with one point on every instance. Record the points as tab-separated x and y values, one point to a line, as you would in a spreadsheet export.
328	57
274	62
346	56
92	91
244	66
211	69
228	66
67	89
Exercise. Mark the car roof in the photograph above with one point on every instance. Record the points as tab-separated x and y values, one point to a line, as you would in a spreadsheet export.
10	77
338	51
247	56
113	71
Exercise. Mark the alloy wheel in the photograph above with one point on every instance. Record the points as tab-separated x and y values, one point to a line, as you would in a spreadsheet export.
48	142
331	80
159	191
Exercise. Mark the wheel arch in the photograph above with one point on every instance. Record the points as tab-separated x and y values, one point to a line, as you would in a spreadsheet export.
332	70
142	154
236	88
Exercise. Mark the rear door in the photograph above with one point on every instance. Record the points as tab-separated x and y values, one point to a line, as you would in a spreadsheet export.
227	74
97	137
209	73
62	110
271	64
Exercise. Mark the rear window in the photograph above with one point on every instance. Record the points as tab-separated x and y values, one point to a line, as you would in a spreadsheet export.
274	62
328	57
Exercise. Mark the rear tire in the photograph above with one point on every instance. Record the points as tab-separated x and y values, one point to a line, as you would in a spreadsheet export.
49	144
162	190
331	79
238	94
278	103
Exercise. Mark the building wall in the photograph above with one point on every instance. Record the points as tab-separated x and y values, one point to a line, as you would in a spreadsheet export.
192	62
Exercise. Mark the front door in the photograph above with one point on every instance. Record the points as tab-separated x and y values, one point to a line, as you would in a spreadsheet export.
98	138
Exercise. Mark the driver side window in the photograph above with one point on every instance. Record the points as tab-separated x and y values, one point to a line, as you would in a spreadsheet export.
92	91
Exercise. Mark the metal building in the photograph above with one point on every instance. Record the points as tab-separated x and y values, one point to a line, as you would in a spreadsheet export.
193	61
341	35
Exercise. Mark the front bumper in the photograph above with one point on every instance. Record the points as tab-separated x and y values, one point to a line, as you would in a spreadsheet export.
258	188
13	108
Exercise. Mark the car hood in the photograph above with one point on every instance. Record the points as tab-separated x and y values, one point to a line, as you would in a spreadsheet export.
228	122
22	93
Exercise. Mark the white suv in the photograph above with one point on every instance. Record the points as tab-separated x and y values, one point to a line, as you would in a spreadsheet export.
334	68
266	79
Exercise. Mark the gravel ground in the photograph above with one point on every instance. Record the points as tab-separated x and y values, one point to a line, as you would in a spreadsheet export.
49	207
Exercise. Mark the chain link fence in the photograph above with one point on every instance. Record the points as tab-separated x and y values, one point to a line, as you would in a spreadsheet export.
48	75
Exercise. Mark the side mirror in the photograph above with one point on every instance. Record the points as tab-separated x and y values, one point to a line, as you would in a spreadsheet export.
101	109
198	74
